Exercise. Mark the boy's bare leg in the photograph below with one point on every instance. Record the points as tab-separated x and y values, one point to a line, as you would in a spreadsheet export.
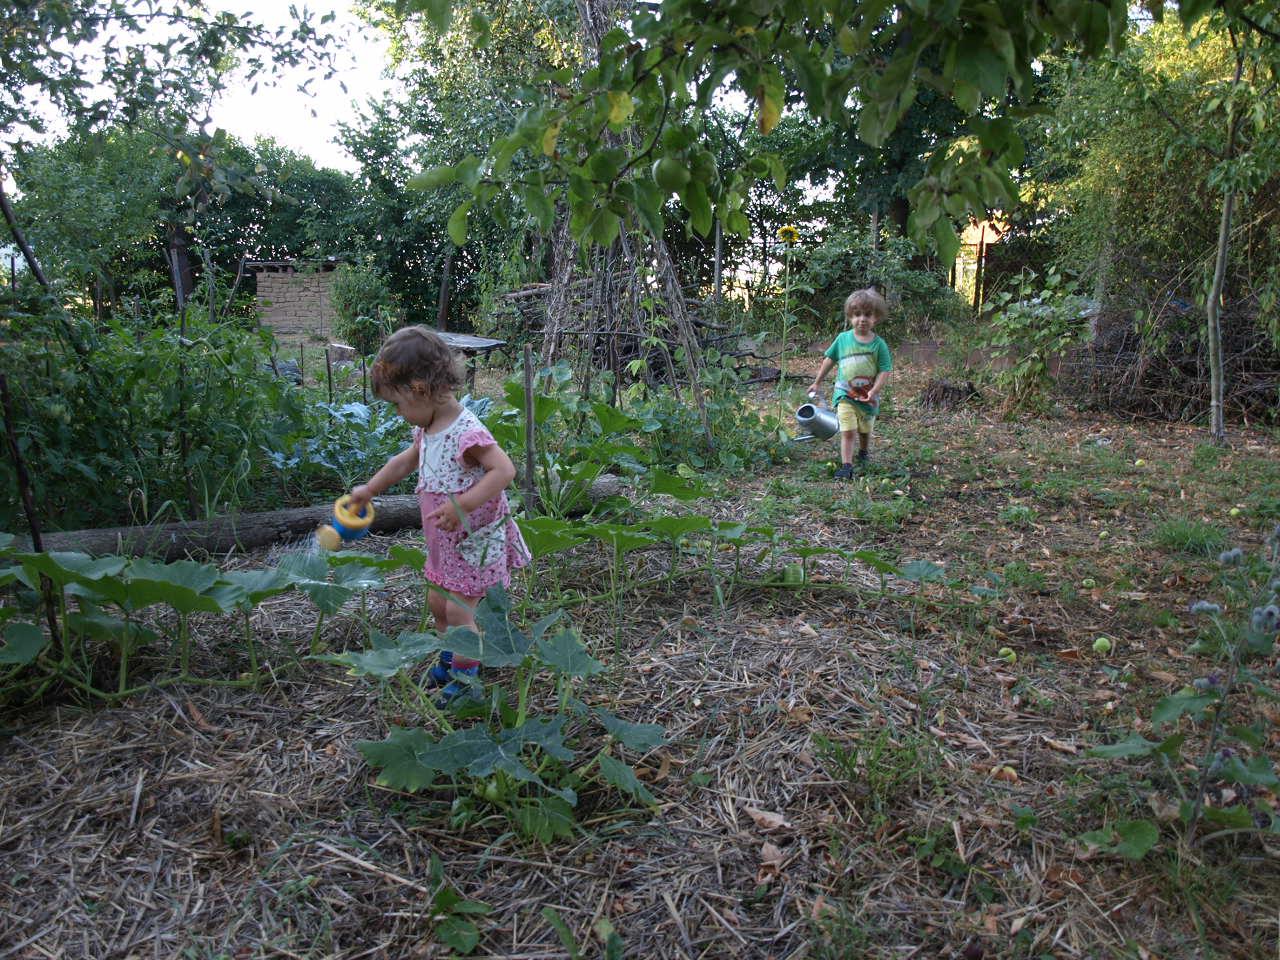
863	440
846	446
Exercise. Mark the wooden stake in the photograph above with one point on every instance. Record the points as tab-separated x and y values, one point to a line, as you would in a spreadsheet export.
29	506
328	372
530	487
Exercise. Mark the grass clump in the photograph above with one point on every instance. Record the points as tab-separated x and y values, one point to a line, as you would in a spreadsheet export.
1193	537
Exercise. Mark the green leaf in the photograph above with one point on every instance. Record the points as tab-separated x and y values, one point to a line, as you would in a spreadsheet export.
388	659
439	12
565	654
23	642
1236	817
875	562
1134	746
695	199
458	934
431	178
624	779
457	225
410	557
357	576
539	206
68	567
1172	707
1258	772
1128	838
612	420
310	572
397	758
673	528
604	226
641	737
126	634
180	584
921	571
563	932
1136	838
946	240
501	643
545	819
547	535
258	585
660	481
622	539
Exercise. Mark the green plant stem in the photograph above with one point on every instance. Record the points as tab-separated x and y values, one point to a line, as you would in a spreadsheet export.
315	635
250	647
1197	802
184	646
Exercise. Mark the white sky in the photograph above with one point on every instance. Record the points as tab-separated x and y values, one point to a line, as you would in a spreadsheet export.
285	114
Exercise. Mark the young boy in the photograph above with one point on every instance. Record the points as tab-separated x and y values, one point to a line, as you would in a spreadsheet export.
862	363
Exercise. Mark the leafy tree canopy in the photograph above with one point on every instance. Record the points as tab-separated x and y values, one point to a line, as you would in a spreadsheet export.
862	67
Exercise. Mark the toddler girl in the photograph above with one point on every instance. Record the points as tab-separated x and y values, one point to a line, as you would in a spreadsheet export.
472	541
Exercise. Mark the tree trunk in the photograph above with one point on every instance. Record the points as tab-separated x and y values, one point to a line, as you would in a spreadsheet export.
718	278
20	238
247	531
1217	424
446	291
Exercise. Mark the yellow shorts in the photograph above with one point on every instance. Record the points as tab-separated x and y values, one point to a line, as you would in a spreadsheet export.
853	417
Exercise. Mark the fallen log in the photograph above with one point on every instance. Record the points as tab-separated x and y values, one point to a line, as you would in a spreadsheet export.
246	531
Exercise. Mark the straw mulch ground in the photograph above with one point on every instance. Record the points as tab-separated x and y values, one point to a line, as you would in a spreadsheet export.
850	772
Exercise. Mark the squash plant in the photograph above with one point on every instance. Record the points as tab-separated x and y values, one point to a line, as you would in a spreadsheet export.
534	746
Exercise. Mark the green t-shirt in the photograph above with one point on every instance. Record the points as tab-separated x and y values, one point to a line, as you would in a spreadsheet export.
857	365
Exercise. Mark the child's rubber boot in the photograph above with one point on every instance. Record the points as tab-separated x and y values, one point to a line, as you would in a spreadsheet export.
459	685
442	672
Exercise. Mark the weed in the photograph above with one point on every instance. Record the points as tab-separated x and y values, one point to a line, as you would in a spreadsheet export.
1019	576
1019	515
883	768
1194	537
1207	456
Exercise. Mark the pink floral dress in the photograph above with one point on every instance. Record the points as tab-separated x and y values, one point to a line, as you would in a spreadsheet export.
442	472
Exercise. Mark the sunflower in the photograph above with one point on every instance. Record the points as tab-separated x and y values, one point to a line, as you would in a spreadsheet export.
788	234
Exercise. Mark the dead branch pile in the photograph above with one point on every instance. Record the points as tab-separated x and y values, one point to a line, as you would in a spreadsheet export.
1151	357
940	393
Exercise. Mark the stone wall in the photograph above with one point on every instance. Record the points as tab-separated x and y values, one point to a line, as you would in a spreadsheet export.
294	299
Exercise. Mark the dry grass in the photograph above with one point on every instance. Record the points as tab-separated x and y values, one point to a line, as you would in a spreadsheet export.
827	791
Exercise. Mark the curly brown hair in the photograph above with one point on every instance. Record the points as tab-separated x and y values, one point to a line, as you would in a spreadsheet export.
868	300
416	359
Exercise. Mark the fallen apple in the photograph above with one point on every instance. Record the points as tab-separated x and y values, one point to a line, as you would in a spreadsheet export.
1102	645
1006	654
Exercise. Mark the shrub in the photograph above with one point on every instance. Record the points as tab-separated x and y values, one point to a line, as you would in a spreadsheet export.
920	301
1030	324
365	310
120	437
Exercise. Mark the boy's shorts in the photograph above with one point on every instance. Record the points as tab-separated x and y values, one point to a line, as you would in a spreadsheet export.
853	417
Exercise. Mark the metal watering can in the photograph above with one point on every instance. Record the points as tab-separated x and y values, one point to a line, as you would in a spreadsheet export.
820	422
